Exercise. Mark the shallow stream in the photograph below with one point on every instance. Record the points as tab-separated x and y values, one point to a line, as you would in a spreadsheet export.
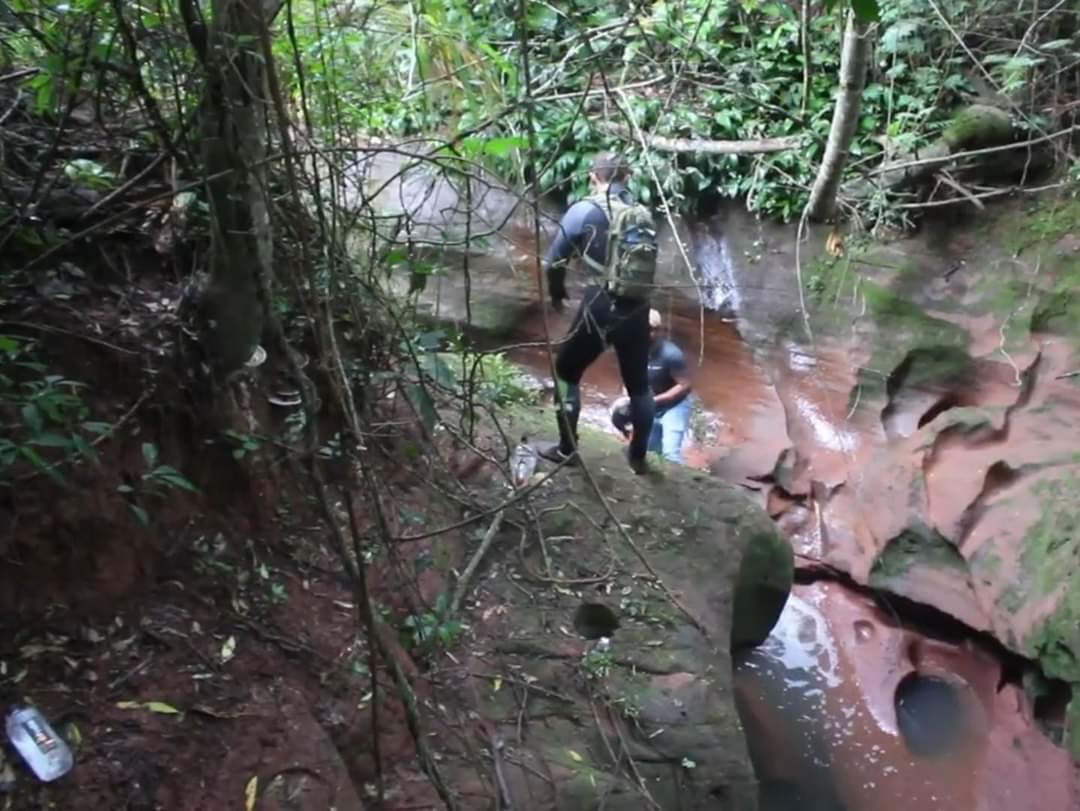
847	707
852	704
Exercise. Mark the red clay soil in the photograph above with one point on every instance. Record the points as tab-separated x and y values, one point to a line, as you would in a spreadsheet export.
228	611
255	646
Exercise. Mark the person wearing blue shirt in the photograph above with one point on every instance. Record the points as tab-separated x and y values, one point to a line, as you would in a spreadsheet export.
669	381
603	318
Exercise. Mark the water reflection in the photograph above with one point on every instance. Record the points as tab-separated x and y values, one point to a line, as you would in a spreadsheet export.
838	716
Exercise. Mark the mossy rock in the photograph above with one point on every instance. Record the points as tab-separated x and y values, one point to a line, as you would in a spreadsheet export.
723	576
933	367
918	545
765	579
1072	723
1051	553
978	126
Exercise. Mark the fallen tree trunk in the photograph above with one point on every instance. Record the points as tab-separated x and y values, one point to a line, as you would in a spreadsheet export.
706	146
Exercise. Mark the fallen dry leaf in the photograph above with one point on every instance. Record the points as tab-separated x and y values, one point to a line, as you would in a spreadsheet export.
251	793
228	650
834	244
159	707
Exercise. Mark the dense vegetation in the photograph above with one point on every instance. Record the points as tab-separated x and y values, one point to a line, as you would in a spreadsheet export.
238	131
223	123
185	192
697	69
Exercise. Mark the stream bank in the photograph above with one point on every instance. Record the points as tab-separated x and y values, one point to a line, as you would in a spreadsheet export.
919	440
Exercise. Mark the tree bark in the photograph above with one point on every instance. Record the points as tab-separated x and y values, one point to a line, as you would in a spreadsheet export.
233	146
853	59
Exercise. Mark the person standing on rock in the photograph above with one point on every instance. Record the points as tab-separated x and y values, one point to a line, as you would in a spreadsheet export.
616	241
669	379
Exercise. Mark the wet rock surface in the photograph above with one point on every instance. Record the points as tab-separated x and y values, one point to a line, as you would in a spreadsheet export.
951	492
922	441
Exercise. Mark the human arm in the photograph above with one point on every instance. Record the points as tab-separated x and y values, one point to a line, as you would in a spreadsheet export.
572	228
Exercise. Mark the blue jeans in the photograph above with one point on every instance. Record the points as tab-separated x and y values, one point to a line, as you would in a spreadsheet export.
669	429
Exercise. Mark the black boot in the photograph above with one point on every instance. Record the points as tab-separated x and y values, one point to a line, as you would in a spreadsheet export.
642	412
566	417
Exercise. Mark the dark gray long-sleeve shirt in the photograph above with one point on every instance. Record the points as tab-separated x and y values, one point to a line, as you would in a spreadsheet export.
583	231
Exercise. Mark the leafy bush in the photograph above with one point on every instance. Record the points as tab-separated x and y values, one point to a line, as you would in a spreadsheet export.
429	630
448	362
154	484
732	69
43	416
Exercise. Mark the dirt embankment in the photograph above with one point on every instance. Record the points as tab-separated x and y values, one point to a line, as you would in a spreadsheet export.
199	643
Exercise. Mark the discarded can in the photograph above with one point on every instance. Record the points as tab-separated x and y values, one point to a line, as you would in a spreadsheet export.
45	752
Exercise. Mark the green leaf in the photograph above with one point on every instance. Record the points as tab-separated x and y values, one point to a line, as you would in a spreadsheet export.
150	454
31	415
500	147
51	440
439	371
431	340
177	480
892	41
172	476
543	18
423	403
1055	45
162	708
35	459
85	448
140	514
417	280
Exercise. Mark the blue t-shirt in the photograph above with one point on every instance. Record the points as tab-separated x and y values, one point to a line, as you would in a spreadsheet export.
666	362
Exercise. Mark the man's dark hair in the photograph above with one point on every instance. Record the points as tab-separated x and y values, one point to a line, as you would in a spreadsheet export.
610	167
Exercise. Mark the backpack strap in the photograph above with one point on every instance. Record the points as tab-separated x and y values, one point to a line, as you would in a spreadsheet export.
592	263
599	200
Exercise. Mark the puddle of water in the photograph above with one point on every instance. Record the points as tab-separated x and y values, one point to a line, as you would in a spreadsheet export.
818	699
931	715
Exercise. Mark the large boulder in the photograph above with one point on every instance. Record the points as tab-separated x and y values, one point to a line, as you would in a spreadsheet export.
609	680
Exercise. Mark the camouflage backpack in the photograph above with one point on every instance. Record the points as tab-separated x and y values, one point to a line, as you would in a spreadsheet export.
630	271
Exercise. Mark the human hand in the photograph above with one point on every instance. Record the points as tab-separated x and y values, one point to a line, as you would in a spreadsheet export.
557	288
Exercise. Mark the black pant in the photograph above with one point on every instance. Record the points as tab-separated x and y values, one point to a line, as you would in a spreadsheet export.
601	320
